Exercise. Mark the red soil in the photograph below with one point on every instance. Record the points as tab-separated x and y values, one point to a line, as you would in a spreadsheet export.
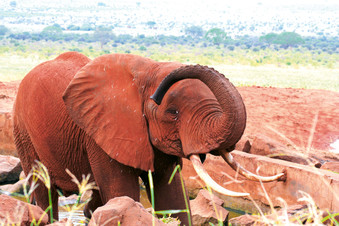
295	114
289	112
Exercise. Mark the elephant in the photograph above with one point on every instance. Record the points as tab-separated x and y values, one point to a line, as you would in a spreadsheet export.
119	116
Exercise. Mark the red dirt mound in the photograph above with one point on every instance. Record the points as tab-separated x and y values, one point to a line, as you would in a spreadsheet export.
294	114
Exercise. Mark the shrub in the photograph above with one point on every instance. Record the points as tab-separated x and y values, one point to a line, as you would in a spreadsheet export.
194	31
3	30
284	39
142	48
216	35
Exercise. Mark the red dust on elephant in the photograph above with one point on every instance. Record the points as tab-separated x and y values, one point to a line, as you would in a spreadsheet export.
117	117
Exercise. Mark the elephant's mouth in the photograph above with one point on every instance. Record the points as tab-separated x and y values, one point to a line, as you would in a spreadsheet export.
198	167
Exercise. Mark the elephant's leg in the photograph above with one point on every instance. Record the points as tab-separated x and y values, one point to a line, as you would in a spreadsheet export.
113	178
28	155
93	204
25	149
42	199
168	196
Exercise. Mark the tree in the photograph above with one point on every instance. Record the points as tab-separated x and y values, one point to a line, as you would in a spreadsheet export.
151	24
73	27
87	27
269	38
101	4
216	36
53	32
288	39
103	35
3	30
284	39
194	31
13	4
54	29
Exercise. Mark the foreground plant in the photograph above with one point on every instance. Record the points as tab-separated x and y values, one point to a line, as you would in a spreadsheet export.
40	173
167	213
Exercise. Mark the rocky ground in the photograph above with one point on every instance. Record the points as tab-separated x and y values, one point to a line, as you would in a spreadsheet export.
296	125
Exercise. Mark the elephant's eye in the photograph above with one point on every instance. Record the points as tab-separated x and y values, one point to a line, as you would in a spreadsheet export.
173	112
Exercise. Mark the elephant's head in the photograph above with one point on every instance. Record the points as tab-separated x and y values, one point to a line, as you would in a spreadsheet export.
111	99
200	114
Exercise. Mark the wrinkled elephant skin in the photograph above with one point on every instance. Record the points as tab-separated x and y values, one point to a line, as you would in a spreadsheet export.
97	117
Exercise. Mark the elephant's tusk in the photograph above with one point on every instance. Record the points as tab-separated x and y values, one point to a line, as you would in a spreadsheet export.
198	167
237	167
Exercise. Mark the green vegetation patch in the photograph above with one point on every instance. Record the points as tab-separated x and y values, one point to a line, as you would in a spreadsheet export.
297	67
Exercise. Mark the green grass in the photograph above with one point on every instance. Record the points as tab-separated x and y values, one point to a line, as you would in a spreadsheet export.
15	67
269	75
295	67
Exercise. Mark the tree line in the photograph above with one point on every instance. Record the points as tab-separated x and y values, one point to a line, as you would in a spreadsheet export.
193	35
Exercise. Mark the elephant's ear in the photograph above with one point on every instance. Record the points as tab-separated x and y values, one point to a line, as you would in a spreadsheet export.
104	101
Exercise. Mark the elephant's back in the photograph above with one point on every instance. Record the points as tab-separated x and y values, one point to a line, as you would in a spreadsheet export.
53	75
39	97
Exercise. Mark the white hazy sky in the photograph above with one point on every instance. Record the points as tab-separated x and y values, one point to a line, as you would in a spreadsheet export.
193	2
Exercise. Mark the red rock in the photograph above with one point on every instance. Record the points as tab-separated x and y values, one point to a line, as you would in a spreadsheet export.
269	147
245	220
124	210
321	185
263	145
204	208
22	175
8	92
243	144
10	169
14	188
13	211
332	166
7	146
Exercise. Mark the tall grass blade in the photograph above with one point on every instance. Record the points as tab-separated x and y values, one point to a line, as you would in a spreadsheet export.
151	186
40	172
178	169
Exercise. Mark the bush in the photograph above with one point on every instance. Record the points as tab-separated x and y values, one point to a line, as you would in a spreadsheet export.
73	28
216	35
142	48
269	38
3	30
284	39
289	39
194	31
13	4
103	35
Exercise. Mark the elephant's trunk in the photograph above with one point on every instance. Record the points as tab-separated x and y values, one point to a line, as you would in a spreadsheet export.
231	123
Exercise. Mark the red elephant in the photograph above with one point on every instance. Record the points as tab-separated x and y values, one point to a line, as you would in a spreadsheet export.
99	117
